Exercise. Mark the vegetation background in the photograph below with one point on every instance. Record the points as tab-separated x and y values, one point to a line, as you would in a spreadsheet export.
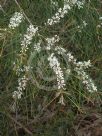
38	113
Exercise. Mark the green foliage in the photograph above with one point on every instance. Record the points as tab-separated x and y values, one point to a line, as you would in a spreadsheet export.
38	112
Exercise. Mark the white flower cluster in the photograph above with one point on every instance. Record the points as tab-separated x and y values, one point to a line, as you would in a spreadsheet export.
82	26
60	50
84	64
15	20
19	69
71	58
55	65
17	95
100	18
62	11
86	80
80	4
77	2
31	31
22	82
61	100
58	15
100	22
37	46
84	23
80	65
79	68
71	1
54	3
51	41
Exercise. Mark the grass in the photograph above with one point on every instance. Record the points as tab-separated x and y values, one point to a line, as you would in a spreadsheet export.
38	113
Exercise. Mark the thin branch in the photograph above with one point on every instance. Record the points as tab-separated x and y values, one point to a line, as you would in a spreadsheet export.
19	124
22	11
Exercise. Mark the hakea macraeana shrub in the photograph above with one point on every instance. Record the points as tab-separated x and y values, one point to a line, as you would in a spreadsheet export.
24	70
